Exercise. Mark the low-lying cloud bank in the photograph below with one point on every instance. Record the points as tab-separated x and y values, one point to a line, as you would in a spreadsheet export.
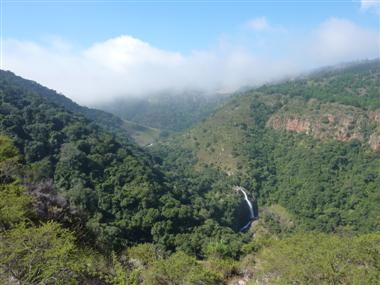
126	66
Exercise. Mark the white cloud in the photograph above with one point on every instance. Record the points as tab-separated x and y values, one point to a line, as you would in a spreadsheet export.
338	40
126	66
261	24
258	24
372	5
125	51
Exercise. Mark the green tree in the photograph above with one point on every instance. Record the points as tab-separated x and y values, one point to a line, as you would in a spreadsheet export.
36	255
316	258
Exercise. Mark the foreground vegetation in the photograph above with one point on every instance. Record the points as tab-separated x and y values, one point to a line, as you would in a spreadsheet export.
34	251
80	205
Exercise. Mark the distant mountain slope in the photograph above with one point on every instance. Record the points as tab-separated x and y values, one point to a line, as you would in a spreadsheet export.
309	145
117	189
94	170
80	205
170	112
142	135
354	84
329	121
325	105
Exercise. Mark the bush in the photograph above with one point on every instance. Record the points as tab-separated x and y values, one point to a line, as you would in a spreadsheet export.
316	258
179	269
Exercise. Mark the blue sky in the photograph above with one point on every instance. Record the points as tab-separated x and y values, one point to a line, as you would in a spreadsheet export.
158	42
177	26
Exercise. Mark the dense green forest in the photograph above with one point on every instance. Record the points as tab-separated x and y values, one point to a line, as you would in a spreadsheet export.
124	129
327	184
354	84
107	191
81	203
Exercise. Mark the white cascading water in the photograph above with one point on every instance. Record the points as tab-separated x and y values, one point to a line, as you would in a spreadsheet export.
252	215
248	203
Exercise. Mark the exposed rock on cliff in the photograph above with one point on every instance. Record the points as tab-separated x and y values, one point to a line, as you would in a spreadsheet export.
328	121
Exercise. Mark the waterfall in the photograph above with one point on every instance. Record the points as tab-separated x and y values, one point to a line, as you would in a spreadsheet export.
248	202
251	213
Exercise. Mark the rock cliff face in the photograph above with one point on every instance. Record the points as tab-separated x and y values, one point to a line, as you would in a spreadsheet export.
374	138
375	116
328	121
299	125
374	141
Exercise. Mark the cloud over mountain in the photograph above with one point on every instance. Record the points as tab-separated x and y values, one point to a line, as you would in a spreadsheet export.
127	66
341	40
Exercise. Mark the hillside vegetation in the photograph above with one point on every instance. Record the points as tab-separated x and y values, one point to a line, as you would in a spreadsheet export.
122	128
169	112
318	159
81	203
65	178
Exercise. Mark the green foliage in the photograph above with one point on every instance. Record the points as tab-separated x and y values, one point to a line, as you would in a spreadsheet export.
138	209
120	276
315	258
111	182
7	150
104	119
217	249
356	85
327	186
38	254
169	112
121	197
276	220
146	254
15	205
47	254
178	269
225	268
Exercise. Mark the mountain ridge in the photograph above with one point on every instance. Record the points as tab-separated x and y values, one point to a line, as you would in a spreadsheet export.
141	134
82	205
296	147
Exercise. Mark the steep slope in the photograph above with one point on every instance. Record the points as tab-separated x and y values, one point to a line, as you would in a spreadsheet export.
167	111
142	135
218	141
120	195
301	144
355	84
67	186
96	172
329	121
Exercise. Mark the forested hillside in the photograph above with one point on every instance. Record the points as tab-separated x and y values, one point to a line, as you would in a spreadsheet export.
307	150
82	204
166	111
64	176
295	145
141	134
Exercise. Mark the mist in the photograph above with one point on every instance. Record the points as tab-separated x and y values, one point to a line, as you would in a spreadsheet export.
125	66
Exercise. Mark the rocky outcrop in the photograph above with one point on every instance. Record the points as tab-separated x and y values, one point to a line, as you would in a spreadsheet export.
374	141
329	121
344	131
298	125
375	116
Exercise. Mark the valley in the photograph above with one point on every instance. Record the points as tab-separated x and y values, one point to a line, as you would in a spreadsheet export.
170	112
151	197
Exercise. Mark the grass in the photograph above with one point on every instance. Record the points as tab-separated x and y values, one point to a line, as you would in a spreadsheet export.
142	135
216	141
